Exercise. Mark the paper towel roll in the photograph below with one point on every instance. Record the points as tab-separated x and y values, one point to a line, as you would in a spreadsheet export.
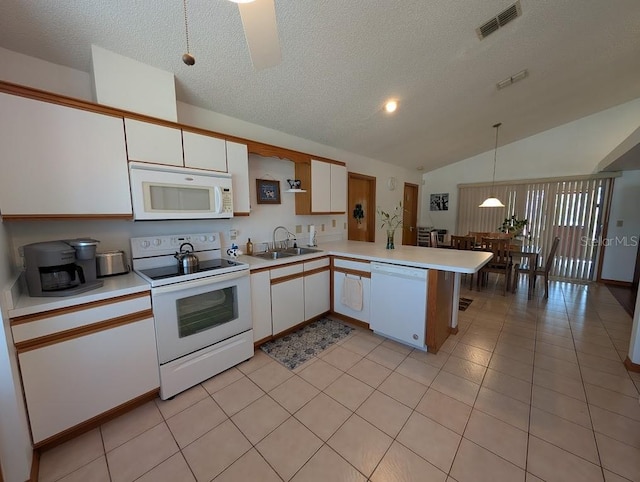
312	235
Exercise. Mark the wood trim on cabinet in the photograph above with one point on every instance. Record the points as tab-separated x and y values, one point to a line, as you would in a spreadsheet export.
300	325
66	335
259	270
19	320
317	270
284	279
96	421
64	217
256	344
353	272
235	214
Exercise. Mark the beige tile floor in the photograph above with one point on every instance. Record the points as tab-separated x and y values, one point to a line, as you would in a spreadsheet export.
527	390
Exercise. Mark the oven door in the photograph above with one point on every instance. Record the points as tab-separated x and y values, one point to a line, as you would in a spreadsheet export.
195	314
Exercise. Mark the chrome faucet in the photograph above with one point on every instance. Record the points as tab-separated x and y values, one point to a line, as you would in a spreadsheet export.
289	236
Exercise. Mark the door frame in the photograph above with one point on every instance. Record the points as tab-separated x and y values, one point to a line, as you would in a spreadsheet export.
370	217
404	207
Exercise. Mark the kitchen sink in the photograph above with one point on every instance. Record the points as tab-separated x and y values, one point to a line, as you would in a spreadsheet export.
273	255
299	251
286	253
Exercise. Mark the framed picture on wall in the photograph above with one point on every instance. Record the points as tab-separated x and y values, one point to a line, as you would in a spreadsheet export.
268	191
440	202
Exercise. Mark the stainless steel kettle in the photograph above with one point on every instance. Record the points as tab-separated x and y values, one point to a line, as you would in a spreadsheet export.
187	261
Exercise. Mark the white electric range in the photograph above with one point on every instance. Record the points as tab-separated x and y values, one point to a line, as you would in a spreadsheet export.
202	318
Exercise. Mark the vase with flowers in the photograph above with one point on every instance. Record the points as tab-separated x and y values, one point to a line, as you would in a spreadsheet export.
391	221
515	228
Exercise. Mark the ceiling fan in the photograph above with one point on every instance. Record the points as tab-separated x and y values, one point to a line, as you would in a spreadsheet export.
260	30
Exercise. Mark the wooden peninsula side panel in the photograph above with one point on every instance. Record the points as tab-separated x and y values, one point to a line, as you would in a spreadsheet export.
440	305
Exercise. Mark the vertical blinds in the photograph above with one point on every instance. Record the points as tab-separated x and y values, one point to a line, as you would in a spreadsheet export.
572	209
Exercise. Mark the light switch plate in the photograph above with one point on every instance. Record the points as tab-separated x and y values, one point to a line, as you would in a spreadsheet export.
619	223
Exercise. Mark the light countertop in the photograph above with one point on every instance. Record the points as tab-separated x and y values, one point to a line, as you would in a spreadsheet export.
457	261
114	286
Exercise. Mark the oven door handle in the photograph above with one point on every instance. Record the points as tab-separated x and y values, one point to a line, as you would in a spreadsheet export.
209	280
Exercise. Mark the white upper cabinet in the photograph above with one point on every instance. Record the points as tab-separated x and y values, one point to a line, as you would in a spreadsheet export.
328	187
148	142
338	188
320	186
238	165
61	161
204	152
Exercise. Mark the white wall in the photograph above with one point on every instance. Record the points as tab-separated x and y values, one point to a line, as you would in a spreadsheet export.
15	443
575	148
622	241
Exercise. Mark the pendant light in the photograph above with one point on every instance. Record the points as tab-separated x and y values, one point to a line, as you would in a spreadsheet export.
491	201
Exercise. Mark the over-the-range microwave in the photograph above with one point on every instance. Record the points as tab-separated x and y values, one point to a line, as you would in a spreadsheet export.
169	192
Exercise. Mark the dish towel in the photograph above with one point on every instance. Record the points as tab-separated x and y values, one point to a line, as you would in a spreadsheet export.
352	293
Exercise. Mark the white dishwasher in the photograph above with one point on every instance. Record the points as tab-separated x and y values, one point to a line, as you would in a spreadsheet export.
399	303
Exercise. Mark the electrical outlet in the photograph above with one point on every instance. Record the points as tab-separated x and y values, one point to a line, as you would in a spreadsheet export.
322	227
233	234
619	223
333	223
298	228
345	226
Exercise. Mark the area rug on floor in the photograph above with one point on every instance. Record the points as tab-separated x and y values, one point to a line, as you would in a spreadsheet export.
464	303
296	348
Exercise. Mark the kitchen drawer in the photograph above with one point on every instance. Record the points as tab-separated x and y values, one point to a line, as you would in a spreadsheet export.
49	322
287	270
316	264
352	265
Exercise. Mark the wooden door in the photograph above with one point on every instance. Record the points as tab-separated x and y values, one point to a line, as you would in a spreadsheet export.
361	209
410	215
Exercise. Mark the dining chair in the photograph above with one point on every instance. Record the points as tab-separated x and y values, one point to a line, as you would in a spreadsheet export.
500	263
479	235
539	271
464	242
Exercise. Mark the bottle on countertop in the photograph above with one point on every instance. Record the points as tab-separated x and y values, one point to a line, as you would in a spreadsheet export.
249	249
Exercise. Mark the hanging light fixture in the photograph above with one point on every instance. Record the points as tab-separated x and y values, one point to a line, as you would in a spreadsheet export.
491	201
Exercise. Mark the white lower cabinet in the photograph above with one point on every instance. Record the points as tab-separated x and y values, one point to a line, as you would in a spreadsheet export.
69	379
287	297
317	288
261	305
354	270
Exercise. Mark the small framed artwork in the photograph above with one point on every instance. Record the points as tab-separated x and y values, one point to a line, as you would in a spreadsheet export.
440	202
268	191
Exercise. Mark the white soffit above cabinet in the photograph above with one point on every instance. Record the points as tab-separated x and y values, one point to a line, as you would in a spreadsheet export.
341	60
131	85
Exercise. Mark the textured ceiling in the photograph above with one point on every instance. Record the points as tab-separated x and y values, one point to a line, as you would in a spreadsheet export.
342	59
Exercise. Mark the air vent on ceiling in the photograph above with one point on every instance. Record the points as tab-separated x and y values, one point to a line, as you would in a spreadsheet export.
500	20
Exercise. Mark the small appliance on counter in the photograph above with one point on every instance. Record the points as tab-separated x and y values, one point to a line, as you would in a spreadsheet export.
111	263
61	268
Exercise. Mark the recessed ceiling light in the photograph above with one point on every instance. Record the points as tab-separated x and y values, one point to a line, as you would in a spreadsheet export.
391	106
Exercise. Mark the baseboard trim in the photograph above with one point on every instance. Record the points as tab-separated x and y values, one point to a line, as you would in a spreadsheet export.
613	282
632	367
35	467
453	330
96	421
348	319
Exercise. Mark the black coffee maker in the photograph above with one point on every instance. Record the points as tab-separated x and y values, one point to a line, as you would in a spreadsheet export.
61	268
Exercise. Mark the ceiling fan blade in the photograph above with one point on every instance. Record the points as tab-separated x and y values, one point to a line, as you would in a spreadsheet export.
261	32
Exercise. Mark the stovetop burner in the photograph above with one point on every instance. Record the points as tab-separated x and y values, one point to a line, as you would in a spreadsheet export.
165	272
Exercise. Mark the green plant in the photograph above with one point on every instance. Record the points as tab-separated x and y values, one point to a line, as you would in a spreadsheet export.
513	226
391	220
